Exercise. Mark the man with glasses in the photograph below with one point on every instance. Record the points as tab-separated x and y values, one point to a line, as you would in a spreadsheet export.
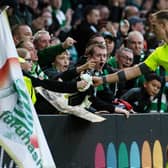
122	59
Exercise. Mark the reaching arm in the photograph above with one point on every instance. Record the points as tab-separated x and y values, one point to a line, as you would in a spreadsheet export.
47	55
125	74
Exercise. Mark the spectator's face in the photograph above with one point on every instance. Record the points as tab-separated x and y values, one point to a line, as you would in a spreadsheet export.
94	17
100	57
27	65
104	13
125	59
62	62
136	43
110	46
152	87
47	17
99	39
33	52
43	41
24	33
131	11
33	4
138	27
56	3
162	4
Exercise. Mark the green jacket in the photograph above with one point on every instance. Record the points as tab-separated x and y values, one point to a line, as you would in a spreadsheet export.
113	62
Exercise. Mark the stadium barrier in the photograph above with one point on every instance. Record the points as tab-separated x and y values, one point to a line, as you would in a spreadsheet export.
139	141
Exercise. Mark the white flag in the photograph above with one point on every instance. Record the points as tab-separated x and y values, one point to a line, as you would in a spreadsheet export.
21	135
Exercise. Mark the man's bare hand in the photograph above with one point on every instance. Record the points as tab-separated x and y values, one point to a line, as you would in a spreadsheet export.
69	42
97	80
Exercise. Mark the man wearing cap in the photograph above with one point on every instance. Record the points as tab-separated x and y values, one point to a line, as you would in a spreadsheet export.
136	23
110	43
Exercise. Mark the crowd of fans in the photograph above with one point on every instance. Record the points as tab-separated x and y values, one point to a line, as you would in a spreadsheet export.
58	40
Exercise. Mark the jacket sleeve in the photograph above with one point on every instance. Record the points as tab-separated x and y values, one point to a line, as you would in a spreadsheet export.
132	95
99	104
68	75
54	85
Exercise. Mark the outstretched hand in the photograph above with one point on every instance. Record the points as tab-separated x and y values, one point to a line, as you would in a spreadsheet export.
88	82
97	80
122	111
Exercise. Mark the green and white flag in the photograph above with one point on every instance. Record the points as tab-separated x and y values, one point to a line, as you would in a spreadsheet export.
21	135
